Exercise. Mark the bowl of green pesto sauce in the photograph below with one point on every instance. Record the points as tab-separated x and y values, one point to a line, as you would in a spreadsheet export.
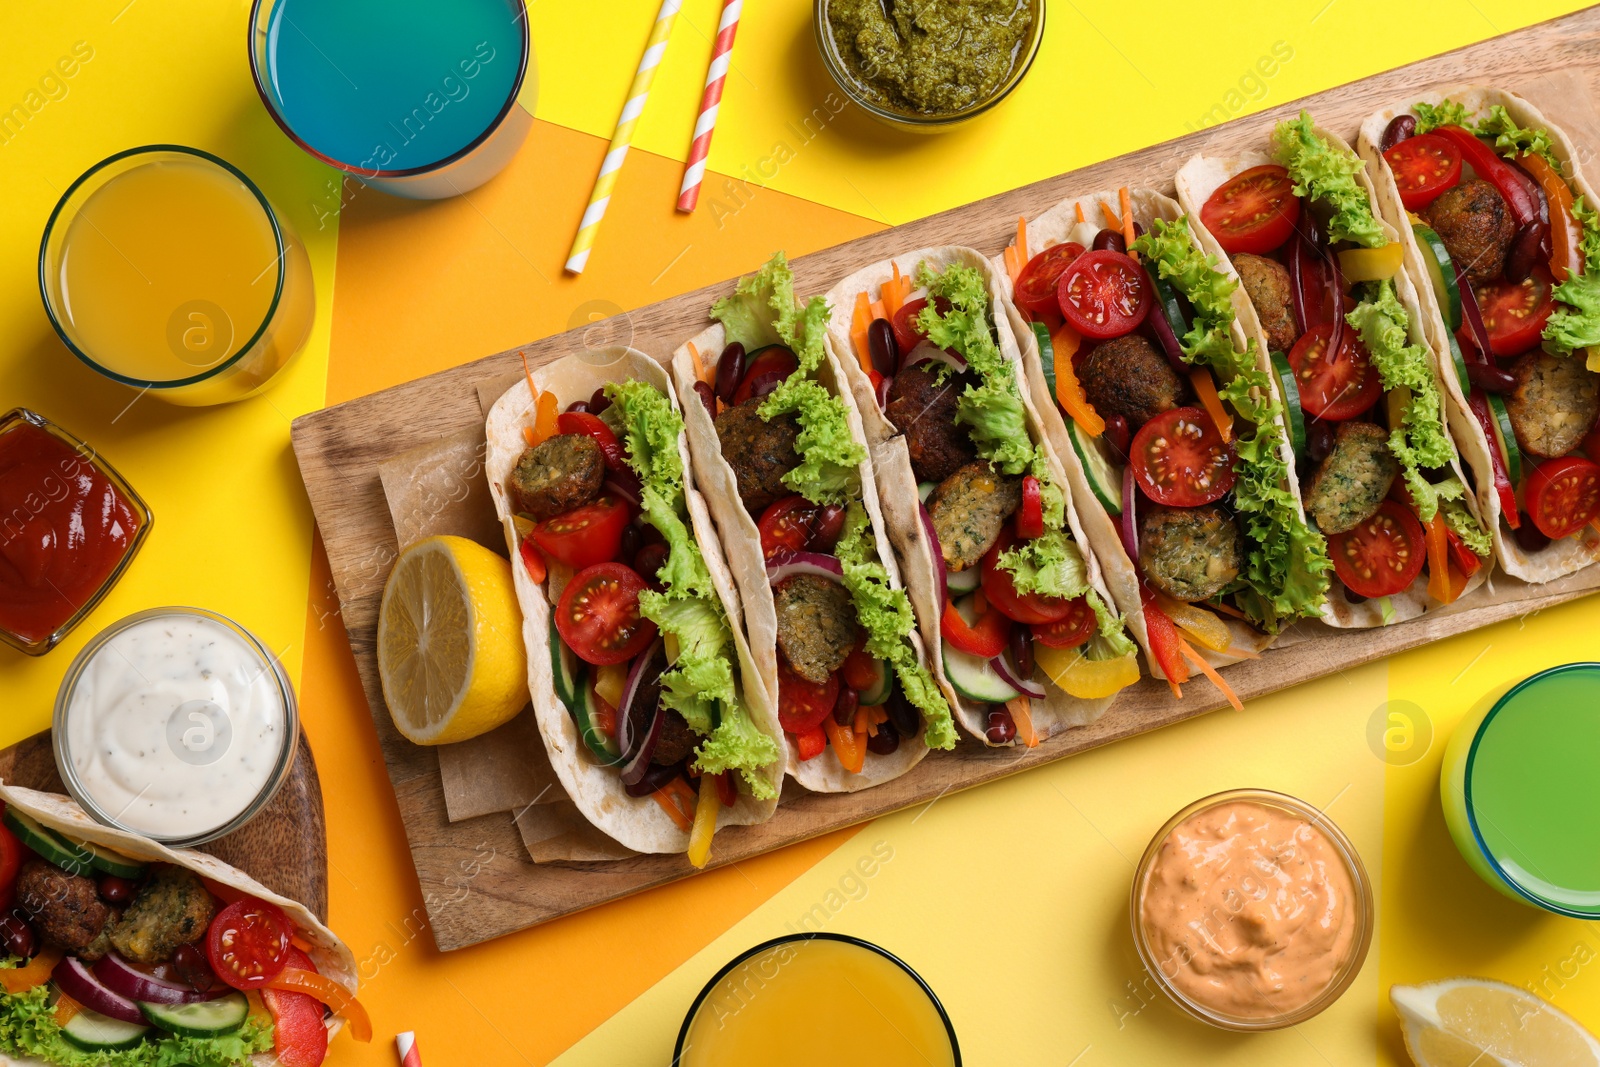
927	65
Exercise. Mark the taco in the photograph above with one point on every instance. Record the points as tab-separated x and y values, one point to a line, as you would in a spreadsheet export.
778	445
121	952
1502	239
1378	469
1171	426
1010	599
643	687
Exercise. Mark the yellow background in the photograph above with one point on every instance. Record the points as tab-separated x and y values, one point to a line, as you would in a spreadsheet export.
1011	899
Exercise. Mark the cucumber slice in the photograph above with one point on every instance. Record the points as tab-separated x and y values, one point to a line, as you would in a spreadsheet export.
50	845
1460	364
972	677
1506	438
925	490
1105	481
878	692
93	1032
1442	272
1047	355
107	862
963	581
1293	417
601	745
566	667
205	1019
1167	302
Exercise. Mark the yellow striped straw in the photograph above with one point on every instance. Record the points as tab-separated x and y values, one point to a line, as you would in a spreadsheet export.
655	48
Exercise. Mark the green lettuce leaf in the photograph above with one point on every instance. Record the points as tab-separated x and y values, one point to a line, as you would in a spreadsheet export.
1322	172
829	471
1512	140
1453	505
1053	565
763	309
1445	113
701	684
28	1029
1576	326
884	612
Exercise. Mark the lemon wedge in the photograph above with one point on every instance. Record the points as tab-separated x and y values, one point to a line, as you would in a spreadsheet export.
1474	1022
450	651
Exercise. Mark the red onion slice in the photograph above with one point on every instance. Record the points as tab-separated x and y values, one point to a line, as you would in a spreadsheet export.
636	767
1169	340
76	980
638	675
1027	687
1297	270
1128	521
937	551
1473	317
785	564
882	393
125	980
626	484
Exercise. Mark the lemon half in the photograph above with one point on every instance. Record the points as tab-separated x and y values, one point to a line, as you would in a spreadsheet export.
1474	1022
450	651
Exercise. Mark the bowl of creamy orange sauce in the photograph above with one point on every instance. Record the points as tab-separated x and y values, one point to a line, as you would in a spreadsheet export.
1252	910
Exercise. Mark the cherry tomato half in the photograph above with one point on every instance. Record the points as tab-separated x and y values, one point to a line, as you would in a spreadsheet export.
1423	166
1002	595
248	943
1254	211
1103	294
585	535
1382	555
592	426
1070	631
771	366
802	705
598	615
1563	495
860	670
1515	313
1036	285
10	863
1333	390
786	525
1179	459
906	332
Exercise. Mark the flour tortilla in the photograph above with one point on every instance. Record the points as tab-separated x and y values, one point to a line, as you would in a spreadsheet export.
331	955
897	488
1196	181
1558	557
639	823
823	773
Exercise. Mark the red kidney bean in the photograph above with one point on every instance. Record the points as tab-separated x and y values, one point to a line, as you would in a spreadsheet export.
578	405
826	526
883	347
730	371
1399	129
648	561
17	937
114	890
707	397
844	709
1490	379
1111	239
1001	727
1319	439
1118	435
1021	642
629	543
886	740
901	713
190	964
1529	536
599	401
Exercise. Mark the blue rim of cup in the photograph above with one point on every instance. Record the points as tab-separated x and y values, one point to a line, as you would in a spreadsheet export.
845	939
272	308
259	78
1472	814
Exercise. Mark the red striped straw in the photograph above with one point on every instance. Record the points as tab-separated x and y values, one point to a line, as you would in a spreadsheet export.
406	1044
694	170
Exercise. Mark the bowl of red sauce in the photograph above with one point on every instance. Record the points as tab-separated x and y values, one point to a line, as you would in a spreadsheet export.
69	527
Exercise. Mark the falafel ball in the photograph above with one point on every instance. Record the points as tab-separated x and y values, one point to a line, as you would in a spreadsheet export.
1353	479
760	452
677	741
1266	283
1554	403
925	412
172	909
1190	553
816	625
66	909
556	475
969	509
1476	227
1128	377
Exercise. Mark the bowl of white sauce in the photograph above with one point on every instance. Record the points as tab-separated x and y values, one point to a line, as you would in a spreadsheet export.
175	723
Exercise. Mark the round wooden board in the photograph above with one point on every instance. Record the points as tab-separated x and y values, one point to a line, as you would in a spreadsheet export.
285	848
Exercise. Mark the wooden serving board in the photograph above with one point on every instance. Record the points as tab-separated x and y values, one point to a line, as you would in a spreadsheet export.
285	848
476	879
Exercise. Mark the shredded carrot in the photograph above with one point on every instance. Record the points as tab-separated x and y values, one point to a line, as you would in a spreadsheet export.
1078	207
668	797
1112	220
1177	690
1238	652
1022	241
1206	390
1068	390
1012	270
1439	560
848	746
1127	220
300	943
1210	672
861	721
894	293
66	1008
858	331
544	420
1227	609
533	390
699	365
1022	714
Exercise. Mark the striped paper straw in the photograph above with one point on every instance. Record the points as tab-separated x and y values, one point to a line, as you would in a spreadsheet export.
654	49
406	1044
694	170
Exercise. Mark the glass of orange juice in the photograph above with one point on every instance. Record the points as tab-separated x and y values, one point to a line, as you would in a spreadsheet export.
166	269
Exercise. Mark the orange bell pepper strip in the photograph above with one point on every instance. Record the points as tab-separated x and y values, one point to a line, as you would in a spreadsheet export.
1206	389
847	745
669	797
66	1008
329	992
1210	672
1074	401
1566	252
544	418
1439	585
1127	221
859	322
1021	709
36	972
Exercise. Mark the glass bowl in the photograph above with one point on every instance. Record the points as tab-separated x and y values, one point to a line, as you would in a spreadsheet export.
915	122
1362	907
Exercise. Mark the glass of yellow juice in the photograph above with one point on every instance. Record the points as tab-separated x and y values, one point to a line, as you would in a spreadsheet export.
814	999
166	269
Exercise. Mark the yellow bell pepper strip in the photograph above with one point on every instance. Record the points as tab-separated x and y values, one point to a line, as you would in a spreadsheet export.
1372	264
1210	672
35	972
329	992
1127	222
705	821
846	744
1021	709
1087	679
669	797
1074	401
1206	389
861	319
1210	631
1566	252
1439	584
